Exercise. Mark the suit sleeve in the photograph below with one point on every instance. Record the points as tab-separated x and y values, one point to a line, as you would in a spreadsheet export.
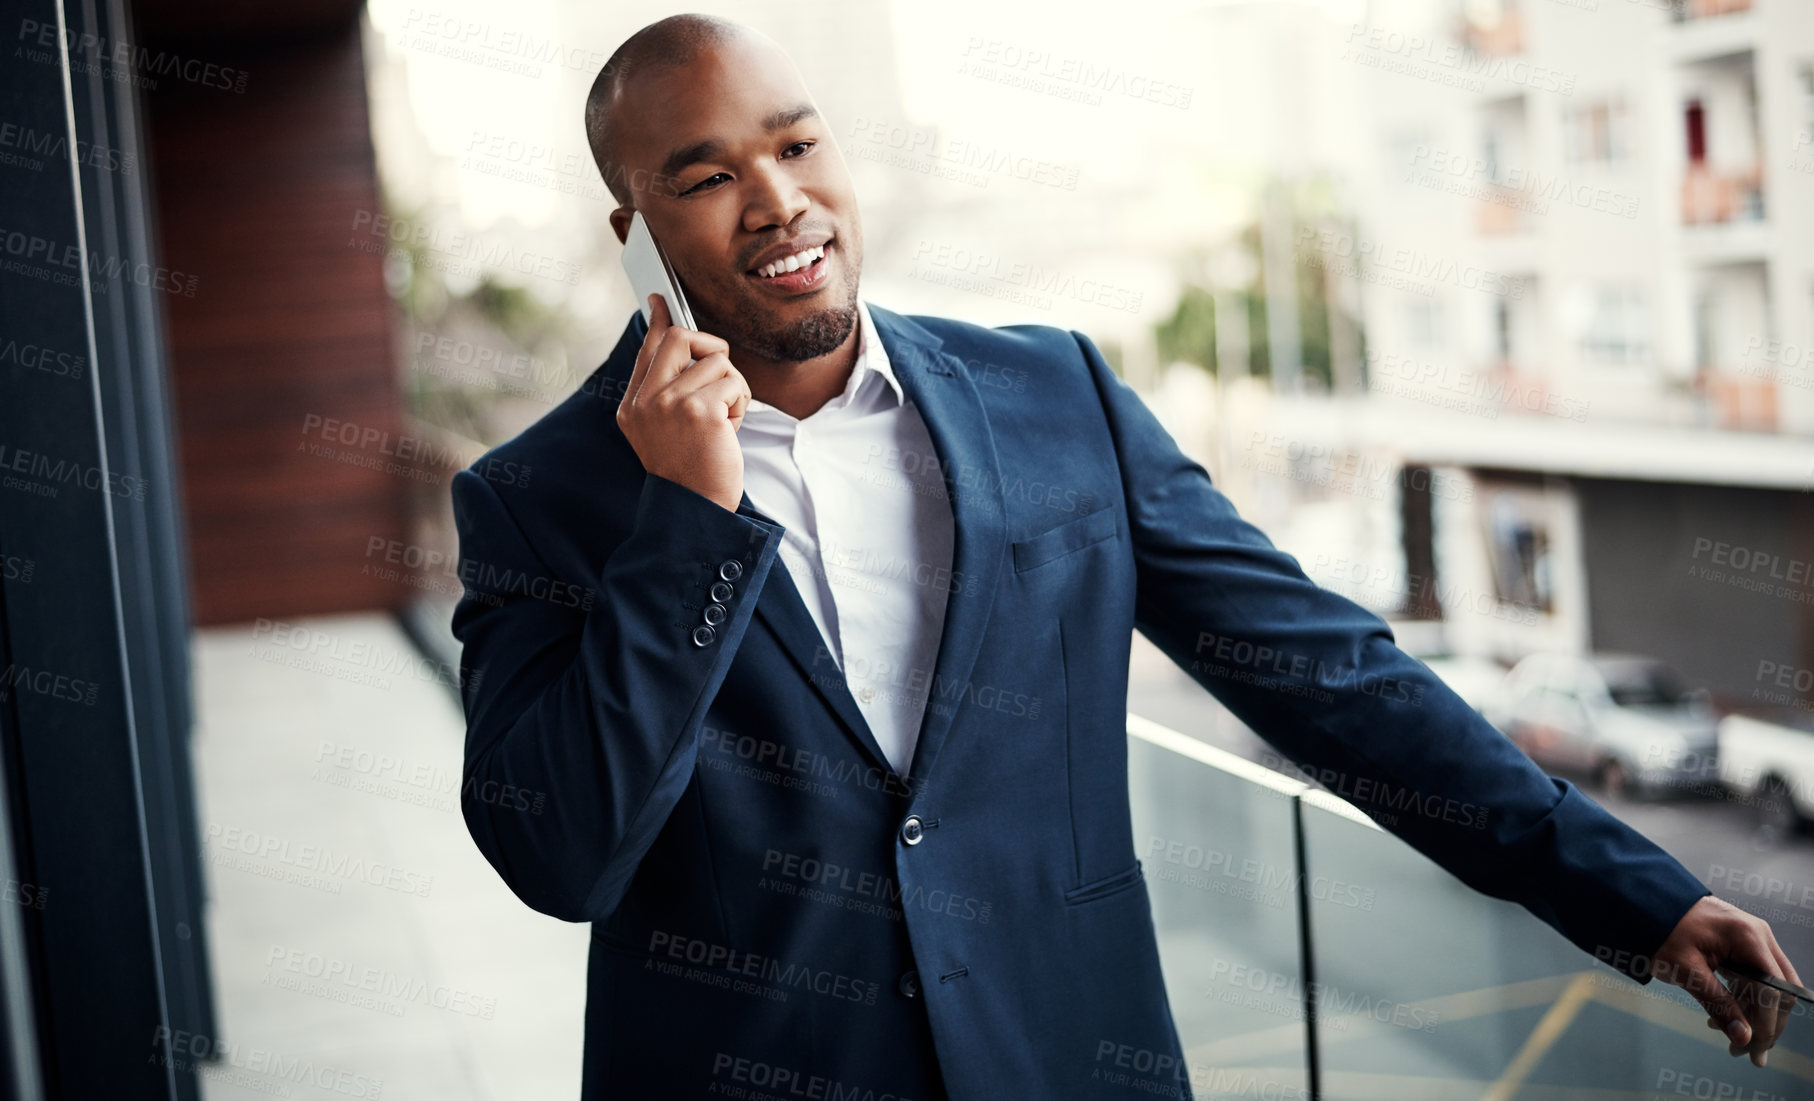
583	714
1321	679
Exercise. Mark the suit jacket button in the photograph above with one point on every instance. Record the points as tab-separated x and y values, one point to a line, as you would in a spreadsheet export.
703	635
912	830
721	592
730	569
714	614
910	984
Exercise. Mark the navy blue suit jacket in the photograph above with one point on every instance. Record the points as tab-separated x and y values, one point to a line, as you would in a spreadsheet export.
772	905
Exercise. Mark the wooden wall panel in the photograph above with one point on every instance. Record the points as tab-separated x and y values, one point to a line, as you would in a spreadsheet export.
257	194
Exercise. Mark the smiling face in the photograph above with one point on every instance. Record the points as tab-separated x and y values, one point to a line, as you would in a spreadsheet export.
755	207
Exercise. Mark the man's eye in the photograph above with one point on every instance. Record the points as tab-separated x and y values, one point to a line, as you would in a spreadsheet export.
799	145
702	183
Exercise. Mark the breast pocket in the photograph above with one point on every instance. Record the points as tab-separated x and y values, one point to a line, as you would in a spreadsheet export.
1064	538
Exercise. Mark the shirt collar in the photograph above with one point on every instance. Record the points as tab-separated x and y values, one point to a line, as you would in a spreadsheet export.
872	356
871	353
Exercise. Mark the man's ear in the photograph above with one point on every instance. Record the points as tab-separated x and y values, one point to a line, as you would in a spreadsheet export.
620	223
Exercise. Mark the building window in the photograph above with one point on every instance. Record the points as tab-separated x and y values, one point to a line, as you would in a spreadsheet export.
1804	78
1502	330
1424	322
1519	545
1615	326
1598	133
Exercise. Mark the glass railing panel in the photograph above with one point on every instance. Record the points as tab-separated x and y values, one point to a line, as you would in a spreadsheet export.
1215	835
1427	989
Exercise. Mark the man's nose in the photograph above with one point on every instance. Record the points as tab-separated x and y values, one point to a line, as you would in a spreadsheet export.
775	199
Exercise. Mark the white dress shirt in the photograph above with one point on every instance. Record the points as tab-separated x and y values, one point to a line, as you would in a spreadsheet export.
857	485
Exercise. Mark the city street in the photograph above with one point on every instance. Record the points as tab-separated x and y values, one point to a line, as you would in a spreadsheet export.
1718	840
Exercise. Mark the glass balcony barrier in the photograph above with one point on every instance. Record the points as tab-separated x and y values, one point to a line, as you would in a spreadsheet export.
1310	954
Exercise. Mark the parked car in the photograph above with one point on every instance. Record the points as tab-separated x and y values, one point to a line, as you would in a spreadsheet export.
1627	721
1767	760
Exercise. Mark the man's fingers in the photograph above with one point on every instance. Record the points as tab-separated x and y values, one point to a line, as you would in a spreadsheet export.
669	357
1785	968
705	370
658	326
727	393
1722	1009
1773	1006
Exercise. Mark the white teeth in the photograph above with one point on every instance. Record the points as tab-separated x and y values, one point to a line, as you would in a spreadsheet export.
793	263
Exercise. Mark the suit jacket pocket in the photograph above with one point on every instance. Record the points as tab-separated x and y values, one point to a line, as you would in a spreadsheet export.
1102	888
1071	535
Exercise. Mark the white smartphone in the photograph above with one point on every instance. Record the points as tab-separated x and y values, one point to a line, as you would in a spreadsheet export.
650	273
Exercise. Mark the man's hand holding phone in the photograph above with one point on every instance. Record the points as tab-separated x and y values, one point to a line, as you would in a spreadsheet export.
682	408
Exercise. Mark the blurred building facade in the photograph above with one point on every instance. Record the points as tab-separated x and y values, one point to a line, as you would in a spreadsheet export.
1580	251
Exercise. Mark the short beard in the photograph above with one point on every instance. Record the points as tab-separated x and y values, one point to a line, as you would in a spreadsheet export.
818	335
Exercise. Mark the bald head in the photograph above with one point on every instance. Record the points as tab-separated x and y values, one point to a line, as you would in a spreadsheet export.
664	45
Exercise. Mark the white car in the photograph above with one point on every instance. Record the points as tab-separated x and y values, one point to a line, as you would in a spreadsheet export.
1627	721
1768	762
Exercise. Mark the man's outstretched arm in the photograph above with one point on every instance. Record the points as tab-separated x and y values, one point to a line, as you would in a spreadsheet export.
1322	679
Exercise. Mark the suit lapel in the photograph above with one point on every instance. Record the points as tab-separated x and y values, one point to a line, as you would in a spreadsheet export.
936	382
938	386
